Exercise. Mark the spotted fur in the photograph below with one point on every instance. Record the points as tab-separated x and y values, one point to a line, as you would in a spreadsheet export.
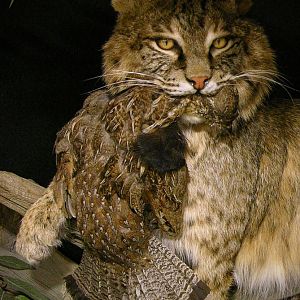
240	224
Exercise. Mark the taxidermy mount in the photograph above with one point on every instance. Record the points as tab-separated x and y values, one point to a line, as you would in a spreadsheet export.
183	148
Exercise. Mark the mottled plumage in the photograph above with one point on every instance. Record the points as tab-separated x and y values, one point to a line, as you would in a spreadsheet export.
115	196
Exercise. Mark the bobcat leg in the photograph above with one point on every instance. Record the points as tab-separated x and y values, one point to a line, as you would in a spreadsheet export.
217	273
41	229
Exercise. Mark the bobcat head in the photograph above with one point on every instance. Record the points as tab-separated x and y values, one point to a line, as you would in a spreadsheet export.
189	47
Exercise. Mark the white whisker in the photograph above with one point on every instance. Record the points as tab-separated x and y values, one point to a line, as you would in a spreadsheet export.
252	75
125	84
269	72
255	78
143	74
274	81
121	72
227	84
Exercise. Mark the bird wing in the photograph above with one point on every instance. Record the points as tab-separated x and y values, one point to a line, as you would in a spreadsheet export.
70	150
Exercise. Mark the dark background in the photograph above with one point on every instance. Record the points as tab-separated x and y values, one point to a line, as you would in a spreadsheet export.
49	47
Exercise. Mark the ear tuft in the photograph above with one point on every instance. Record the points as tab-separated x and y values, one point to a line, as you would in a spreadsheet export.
119	5
123	6
243	6
239	7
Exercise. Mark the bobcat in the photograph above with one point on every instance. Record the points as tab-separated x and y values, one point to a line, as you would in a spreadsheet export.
241	219
243	155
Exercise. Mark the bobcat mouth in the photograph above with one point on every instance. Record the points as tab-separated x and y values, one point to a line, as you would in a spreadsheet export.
182	89
211	88
208	94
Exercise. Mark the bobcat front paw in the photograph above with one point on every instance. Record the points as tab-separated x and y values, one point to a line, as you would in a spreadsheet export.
41	229
34	250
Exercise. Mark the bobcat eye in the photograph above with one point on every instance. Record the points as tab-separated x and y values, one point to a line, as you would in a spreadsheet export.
220	43
165	44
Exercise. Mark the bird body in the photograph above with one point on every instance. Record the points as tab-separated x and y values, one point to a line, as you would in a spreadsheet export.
108	187
119	202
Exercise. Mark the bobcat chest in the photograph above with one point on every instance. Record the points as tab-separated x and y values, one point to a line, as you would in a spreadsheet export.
220	193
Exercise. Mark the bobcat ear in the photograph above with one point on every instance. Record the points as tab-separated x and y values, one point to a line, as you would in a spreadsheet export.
240	7
243	6
123	6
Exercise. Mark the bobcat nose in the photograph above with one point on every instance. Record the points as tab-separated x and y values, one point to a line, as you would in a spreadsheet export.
199	82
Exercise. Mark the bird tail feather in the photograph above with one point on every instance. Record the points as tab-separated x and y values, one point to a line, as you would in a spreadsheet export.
166	277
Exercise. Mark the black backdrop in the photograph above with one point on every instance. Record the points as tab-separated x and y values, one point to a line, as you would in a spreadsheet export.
48	48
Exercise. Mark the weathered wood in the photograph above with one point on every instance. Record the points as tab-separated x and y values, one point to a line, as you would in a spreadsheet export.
18	193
